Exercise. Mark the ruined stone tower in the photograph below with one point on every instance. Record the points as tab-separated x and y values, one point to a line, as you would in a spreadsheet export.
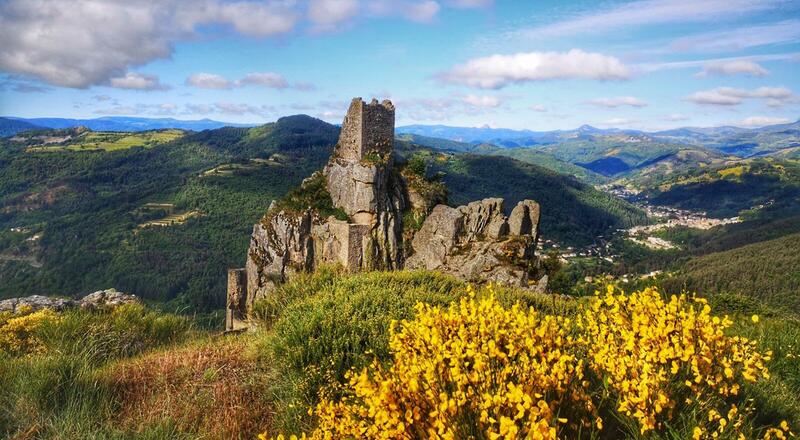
367	128
473	242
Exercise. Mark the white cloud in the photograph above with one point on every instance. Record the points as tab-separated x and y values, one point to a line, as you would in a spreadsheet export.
266	79
447	107
199	109
84	43
728	96
327	13
736	67
263	79
137	81
676	117
538	108
613	122
482	101
650	12
618	102
653	67
760	121
718	96
423	11
787	31
466	4
208	81
121	110
497	71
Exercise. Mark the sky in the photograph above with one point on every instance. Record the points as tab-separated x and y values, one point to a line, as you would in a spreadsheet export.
539	65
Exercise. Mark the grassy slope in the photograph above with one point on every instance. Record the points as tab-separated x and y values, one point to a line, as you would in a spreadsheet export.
768	271
180	382
111	141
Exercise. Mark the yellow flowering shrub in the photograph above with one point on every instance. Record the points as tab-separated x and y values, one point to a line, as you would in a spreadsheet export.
654	355
18	332
475	368
480	370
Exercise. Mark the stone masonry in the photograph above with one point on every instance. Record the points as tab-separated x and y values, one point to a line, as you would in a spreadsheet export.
367	128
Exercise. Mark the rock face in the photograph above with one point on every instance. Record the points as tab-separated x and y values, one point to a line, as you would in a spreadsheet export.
99	299
475	242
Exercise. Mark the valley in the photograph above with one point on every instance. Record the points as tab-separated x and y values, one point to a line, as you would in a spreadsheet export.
163	214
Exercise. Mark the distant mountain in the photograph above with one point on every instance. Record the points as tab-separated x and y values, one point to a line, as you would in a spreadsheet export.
124	123
506	137
529	155
743	142
10	127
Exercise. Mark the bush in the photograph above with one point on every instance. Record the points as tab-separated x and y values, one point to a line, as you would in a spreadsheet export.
49	383
333	324
629	366
320	337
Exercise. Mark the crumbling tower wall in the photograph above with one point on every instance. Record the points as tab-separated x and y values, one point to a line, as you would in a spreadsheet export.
367	128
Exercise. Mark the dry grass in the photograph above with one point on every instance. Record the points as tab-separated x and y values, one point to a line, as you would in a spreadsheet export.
211	388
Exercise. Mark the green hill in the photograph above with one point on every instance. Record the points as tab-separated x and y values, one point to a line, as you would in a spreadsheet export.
727	190
768	271
82	215
166	221
531	155
10	127
572	212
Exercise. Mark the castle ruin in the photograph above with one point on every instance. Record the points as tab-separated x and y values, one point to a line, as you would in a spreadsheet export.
476	242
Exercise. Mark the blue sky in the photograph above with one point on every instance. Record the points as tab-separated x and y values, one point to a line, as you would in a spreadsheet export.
541	65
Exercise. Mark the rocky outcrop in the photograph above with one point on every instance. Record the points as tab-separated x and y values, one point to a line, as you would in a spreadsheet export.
280	245
99	299
475	242
368	197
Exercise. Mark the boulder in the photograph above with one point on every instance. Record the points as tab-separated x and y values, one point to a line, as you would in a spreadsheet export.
101	298
106	298
34	303
472	242
524	219
437	237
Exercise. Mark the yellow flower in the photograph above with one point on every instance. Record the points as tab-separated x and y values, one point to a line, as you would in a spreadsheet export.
754	318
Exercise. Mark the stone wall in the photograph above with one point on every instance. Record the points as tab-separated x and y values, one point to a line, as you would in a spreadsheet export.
366	128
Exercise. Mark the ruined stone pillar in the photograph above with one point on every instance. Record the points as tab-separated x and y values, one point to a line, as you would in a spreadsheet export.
236	308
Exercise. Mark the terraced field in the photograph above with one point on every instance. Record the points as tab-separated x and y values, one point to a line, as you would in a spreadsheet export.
110	141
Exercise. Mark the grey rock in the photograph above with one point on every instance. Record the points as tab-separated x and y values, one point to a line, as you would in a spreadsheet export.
106	298
437	237
101	298
35	303
524	219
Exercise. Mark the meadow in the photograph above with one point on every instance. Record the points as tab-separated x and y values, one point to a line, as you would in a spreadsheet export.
336	351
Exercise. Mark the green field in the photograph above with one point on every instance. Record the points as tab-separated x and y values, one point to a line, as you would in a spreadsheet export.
110	141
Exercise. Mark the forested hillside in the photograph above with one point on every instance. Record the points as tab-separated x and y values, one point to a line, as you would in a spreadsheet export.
572	212
768	271
86	220
164	219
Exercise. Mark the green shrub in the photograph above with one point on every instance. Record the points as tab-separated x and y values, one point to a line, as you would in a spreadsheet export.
55	391
106	334
335	323
312	194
